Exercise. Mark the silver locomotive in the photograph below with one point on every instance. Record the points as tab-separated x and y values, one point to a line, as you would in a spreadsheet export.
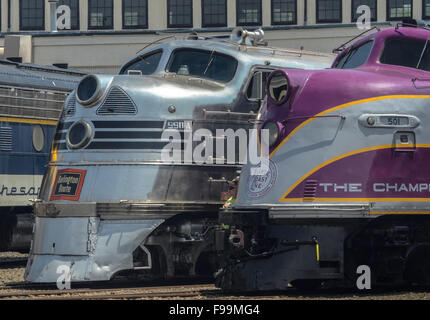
109	206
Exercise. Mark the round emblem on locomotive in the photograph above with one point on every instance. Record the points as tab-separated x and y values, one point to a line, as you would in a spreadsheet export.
259	186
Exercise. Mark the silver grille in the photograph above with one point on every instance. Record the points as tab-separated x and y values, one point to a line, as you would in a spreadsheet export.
5	139
31	103
117	102
71	106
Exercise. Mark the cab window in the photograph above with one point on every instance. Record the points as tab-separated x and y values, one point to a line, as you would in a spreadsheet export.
407	53
204	64
143	65
356	57
257	85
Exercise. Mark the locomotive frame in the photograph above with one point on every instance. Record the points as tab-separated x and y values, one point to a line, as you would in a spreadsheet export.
354	184
135	215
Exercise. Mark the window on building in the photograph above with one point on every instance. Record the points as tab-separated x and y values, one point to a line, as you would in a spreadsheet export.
180	13
426	9
74	12
100	14
214	13
32	14
370	3
284	11
135	14
329	11
399	9
248	12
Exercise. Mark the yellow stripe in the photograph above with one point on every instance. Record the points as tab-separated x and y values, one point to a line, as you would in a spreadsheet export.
318	252
388	146
52	182
358	200
54	152
379	213
31	121
345	106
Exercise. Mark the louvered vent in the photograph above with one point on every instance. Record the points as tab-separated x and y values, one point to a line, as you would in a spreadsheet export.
117	102
71	106
31	103
310	190
5	139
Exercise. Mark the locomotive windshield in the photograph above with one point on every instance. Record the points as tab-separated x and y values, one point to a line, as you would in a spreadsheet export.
204	64
407	53
145	64
355	57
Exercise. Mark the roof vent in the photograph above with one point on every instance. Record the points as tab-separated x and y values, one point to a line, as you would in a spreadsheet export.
412	23
193	36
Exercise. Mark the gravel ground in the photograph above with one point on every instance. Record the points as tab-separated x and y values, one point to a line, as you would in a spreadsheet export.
13	275
12	255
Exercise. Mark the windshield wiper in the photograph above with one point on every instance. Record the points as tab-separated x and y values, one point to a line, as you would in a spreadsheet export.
211	59
422	54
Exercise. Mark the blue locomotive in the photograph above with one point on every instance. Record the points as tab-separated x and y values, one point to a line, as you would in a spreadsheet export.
31	102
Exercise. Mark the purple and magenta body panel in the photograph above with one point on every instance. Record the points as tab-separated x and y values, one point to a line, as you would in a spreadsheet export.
350	135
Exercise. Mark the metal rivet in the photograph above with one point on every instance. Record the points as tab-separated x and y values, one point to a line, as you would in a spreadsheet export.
172	109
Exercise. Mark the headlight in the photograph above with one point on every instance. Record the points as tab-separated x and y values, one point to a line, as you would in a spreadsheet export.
89	90
79	135
278	87
273	132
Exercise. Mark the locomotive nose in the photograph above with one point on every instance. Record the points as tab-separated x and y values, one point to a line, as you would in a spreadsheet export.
90	248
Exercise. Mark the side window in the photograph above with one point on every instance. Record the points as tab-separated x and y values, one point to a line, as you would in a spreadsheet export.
143	65
342	61
356	57
257	85
407	53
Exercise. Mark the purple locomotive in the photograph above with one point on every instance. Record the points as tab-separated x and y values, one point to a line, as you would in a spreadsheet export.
348	185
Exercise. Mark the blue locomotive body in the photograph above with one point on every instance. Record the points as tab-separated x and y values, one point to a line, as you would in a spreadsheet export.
31	99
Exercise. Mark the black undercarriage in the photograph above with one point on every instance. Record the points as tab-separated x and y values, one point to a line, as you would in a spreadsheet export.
183	246
16	227
263	254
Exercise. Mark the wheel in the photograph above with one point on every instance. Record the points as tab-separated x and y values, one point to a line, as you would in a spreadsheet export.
417	270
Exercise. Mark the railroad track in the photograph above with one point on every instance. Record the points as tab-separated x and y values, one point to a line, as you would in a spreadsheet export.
117	293
13	263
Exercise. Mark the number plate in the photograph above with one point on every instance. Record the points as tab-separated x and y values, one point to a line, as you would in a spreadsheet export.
180	125
395	121
388	121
